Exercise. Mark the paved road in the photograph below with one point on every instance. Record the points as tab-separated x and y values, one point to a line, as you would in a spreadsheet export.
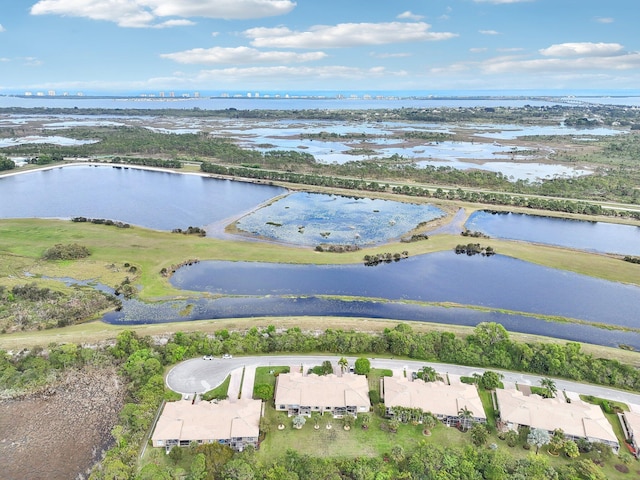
198	375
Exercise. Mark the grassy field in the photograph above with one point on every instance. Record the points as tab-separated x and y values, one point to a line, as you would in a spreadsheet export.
377	441
22	242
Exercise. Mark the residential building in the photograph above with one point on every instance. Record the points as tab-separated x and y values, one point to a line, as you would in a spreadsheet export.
444	401
630	422
235	424
299	394
577	419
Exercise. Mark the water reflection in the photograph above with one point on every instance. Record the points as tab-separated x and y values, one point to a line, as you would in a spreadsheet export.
311	219
135	313
159	200
497	282
593	236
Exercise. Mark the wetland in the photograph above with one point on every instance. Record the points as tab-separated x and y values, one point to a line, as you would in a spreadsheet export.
417	169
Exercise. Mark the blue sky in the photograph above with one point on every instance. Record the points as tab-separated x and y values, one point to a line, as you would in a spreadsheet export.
148	46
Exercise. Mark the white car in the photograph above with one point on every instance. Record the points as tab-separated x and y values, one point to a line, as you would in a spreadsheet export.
208	357
227	355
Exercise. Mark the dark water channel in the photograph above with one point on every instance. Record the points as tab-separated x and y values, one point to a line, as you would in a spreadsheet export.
258	289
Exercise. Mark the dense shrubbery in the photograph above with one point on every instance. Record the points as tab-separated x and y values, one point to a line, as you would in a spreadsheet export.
71	251
28	307
100	221
201	232
142	362
6	164
474	249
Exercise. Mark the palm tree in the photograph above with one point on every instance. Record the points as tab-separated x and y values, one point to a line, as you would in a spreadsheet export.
429	421
549	387
428	374
466	417
343	363
299	421
366	419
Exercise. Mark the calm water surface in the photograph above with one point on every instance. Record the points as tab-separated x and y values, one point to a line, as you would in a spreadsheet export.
495	282
158	200
311	219
594	236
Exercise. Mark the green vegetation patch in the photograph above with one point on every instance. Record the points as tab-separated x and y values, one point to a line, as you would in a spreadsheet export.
71	251
220	392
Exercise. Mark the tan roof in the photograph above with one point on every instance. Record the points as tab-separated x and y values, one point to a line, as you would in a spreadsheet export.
208	421
578	418
322	390
435	397
633	420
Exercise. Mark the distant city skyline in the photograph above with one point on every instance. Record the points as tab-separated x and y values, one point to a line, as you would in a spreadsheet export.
279	47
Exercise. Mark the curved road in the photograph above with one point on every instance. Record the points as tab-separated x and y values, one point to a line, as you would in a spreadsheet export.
198	375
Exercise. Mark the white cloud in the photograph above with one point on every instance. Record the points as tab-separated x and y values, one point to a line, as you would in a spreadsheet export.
31	62
509	49
143	13
562	65
604	20
239	55
2	29
311	73
557	60
345	35
477	50
583	49
489	32
175	23
390	55
501	2
410	16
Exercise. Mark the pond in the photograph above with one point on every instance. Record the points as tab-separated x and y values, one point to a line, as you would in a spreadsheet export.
496	282
135	312
592	236
312	219
152	199
259	289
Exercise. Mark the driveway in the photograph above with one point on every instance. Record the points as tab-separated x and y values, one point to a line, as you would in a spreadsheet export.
198	375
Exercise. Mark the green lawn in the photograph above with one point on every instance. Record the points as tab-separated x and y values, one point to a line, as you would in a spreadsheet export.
267	376
374	376
487	403
336	442
221	391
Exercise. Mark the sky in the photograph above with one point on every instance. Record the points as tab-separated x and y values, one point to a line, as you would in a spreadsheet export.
217	46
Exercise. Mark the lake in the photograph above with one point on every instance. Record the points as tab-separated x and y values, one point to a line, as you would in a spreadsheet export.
496	282
152	199
592	236
165	201
261	289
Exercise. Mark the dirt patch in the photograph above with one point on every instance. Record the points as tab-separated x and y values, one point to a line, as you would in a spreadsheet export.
61	434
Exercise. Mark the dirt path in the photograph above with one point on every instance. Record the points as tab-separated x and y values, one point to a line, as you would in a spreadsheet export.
62	434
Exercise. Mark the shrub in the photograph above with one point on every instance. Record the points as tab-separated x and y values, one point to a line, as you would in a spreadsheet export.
72	251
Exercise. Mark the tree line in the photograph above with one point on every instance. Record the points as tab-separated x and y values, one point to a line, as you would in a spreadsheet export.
142	360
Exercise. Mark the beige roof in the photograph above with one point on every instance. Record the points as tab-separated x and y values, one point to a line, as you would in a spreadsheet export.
435	397
633	420
578	418
208	421
322	390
